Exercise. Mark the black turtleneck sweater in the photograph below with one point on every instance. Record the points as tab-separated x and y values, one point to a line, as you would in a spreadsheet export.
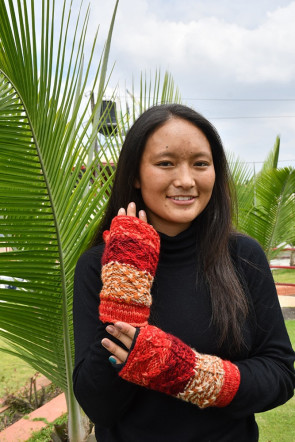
124	412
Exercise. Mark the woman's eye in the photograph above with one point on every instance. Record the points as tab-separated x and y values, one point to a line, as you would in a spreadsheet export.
201	164
164	163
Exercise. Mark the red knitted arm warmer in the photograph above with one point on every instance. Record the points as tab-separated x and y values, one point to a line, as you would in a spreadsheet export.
129	265
162	362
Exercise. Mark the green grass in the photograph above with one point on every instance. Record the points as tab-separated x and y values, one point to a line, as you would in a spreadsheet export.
15	373
291	330
284	275
278	425
44	435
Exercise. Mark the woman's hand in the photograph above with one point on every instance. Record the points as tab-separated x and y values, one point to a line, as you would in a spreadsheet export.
123	332
131	211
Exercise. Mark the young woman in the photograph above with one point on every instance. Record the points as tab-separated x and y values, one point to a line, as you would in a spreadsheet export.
179	334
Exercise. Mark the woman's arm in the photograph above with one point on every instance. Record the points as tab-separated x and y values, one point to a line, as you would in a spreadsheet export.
266	376
101	393
129	262
162	362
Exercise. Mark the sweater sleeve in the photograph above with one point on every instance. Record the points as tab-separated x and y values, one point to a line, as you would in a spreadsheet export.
164	363
267	373
102	394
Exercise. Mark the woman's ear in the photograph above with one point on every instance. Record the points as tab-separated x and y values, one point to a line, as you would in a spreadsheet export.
136	183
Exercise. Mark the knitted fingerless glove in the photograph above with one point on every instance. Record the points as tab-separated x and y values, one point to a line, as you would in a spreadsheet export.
129	264
162	362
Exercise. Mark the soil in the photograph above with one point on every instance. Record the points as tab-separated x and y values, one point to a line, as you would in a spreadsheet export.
28	399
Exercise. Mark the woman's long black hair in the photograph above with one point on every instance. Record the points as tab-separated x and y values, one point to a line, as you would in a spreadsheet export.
229	304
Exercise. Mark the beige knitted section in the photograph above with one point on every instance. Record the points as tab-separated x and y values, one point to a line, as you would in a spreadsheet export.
126	284
204	387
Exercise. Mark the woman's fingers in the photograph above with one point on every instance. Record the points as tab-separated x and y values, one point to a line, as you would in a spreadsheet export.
121	336
122	211
126	329
142	215
123	332
131	211
117	351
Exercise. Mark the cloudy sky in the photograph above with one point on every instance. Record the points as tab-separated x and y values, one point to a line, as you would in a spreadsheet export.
233	61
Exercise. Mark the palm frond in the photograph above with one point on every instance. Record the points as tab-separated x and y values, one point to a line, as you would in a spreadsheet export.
271	220
47	209
243	183
272	159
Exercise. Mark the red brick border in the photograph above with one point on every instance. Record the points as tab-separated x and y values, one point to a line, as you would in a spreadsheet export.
22	430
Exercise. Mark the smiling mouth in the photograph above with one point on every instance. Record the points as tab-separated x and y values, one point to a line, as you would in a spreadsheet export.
182	198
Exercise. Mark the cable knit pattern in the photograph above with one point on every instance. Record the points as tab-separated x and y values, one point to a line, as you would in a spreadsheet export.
129	265
162	362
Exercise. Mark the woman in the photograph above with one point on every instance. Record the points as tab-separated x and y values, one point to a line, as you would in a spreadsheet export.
184	340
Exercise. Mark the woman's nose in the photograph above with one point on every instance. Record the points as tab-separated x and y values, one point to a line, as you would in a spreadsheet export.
184	178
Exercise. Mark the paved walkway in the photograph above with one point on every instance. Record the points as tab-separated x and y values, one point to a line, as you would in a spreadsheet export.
287	300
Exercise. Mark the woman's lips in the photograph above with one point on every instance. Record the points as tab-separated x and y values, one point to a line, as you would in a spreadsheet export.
182	200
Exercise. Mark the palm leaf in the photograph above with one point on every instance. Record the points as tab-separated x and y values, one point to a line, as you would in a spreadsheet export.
243	182
271	220
47	210
271	161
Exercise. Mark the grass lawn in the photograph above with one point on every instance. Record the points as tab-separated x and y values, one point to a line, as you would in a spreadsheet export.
278	425
45	435
284	275
15	373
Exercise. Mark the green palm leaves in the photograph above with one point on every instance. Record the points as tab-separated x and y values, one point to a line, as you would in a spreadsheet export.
46	208
266	203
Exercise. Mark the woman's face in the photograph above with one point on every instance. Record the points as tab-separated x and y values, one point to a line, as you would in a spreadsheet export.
176	175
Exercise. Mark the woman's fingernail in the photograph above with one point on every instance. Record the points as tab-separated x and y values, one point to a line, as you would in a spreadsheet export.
112	360
110	329
121	211
141	213
132	205
105	343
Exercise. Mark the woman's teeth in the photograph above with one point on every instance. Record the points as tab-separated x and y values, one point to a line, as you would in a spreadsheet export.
182	198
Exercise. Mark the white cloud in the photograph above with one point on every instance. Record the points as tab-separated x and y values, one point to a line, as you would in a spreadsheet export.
247	55
214	49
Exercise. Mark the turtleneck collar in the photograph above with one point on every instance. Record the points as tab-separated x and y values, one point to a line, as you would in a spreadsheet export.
180	249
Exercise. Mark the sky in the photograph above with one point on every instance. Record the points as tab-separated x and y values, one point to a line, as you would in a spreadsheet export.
233	61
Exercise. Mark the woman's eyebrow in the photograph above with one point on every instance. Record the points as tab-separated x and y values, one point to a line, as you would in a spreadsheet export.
165	153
